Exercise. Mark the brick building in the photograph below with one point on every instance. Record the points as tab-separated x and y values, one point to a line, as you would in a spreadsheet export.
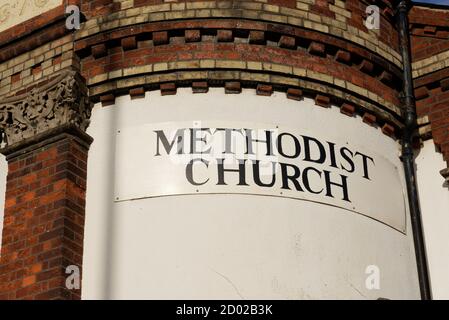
79	188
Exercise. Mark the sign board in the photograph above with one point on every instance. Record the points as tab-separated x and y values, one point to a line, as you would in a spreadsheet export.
222	157
17	11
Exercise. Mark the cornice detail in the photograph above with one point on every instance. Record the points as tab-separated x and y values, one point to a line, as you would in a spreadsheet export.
62	101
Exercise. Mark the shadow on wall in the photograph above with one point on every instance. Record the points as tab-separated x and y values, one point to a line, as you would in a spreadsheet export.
98	259
434	202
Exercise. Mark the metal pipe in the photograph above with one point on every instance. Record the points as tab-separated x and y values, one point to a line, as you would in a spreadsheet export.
409	113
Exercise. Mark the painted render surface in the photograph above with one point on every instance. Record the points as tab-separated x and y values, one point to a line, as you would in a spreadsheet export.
235	246
434	199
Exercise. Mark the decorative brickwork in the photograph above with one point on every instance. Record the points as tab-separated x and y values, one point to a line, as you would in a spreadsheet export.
230	45
37	66
307	14
430	52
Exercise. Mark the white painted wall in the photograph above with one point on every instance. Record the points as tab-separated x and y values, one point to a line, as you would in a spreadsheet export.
3	173
235	246
434	200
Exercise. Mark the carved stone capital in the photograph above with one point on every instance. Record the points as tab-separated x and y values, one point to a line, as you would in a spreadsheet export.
61	102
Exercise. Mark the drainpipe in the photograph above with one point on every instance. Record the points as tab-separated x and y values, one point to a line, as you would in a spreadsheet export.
409	113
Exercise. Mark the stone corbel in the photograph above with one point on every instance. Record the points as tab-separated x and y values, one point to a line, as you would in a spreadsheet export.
61	102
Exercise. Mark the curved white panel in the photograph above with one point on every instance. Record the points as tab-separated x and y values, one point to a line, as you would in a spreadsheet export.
235	245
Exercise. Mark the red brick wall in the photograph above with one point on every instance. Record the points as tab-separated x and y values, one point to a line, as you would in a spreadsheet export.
388	32
430	37
44	219
429	32
93	8
432	92
144	53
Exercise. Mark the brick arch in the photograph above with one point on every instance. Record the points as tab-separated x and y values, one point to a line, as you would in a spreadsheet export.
340	19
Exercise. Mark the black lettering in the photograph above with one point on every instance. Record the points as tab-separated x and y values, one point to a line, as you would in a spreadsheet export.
256	174
293	178
343	185
281	149
365	164
194	139
189	171
306	182
332	154
179	138
240	170
307	153
228	138
249	142
344	153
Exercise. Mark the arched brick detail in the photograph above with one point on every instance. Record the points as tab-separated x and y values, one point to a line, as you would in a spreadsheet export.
239	45
325	16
